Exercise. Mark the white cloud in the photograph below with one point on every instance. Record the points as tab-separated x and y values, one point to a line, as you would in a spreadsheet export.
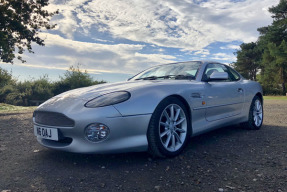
230	46
95	57
203	52
92	32
102	40
160	50
224	57
190	25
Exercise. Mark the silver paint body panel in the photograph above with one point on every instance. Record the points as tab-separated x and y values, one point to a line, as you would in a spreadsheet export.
226	103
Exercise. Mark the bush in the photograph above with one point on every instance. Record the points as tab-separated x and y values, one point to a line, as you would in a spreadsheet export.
271	90
22	93
16	98
42	89
74	78
5	90
6	84
5	77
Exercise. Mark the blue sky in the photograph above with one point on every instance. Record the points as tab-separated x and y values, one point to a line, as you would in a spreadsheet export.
115	39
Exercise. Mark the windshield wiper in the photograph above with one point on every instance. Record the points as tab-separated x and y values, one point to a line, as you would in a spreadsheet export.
148	78
167	77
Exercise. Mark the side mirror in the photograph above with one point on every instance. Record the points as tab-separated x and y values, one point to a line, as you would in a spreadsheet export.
218	76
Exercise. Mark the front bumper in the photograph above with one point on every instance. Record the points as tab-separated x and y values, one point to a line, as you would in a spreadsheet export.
127	133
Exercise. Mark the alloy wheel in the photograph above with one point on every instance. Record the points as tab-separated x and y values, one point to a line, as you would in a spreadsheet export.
173	127
257	113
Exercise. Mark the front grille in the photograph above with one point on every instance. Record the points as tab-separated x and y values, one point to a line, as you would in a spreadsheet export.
52	119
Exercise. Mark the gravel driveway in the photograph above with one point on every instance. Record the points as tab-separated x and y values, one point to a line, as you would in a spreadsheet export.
228	159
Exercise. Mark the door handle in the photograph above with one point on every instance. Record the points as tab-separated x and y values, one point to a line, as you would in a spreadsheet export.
240	90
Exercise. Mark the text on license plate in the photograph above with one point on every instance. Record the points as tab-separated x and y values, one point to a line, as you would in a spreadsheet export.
46	133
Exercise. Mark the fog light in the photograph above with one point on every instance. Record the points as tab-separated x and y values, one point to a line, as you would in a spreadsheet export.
97	132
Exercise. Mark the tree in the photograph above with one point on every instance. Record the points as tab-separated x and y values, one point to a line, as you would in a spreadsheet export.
248	59
273	40
279	11
20	22
269	77
280	55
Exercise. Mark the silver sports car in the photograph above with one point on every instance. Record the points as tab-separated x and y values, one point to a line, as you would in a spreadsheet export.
157	110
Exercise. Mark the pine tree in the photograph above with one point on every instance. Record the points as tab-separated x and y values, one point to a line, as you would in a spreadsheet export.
248	59
273	38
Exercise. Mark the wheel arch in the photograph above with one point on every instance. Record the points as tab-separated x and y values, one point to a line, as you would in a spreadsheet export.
260	96
250	124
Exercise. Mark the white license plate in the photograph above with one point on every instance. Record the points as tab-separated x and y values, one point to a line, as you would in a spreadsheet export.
46	133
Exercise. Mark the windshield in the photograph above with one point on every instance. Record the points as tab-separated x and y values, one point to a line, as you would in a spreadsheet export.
186	70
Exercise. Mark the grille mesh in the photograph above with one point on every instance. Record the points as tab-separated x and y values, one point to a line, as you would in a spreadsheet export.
52	119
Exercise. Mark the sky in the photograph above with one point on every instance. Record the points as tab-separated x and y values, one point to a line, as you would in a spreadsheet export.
114	39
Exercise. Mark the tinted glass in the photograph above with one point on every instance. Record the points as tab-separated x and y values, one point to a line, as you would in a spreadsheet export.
187	70
232	75
214	68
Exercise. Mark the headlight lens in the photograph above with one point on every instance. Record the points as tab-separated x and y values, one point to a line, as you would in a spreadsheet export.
108	99
97	132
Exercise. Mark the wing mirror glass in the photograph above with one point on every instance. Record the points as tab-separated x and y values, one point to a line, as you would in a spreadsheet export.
218	76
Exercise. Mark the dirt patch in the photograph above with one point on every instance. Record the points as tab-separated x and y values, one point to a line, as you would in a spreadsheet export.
228	159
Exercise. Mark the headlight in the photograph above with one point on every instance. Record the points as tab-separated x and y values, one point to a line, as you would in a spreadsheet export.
108	99
97	132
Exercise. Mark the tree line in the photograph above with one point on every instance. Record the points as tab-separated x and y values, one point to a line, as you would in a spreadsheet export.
30	92
266	59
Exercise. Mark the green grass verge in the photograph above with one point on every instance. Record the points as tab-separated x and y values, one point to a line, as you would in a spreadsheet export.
275	97
6	108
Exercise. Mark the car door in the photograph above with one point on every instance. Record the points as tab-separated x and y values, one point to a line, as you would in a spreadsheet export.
224	98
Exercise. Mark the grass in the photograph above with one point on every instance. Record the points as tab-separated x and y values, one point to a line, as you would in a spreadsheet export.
275	97
6	108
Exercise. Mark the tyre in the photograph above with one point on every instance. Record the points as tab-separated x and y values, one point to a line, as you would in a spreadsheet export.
169	128
255	117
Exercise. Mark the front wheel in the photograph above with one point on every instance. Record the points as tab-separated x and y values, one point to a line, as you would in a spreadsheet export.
169	128
255	118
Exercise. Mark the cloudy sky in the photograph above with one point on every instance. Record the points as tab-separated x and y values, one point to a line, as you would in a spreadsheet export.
113	39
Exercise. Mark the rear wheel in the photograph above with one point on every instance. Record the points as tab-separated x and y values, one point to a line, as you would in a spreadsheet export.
169	128
255	118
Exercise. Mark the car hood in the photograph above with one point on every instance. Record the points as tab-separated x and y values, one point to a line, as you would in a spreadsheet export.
88	93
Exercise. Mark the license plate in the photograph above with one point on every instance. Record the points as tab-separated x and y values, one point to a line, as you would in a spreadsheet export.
46	133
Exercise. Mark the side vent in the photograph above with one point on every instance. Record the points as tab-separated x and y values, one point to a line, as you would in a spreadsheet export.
196	95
